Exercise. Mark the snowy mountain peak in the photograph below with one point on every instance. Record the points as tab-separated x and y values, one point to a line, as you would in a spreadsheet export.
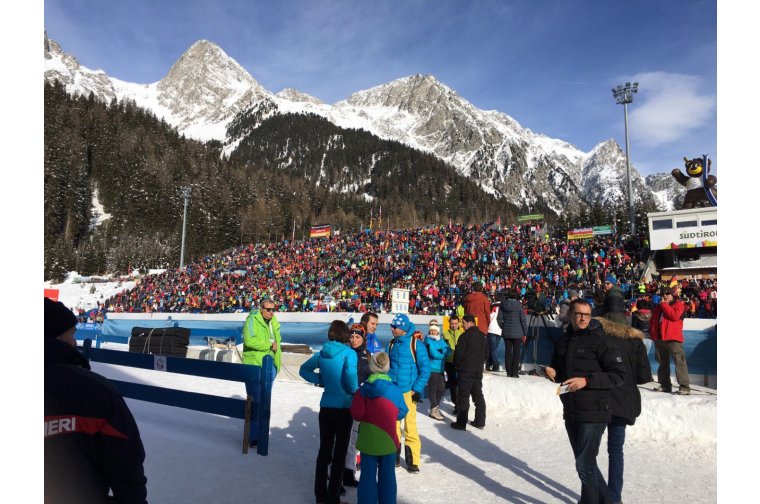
413	94
295	95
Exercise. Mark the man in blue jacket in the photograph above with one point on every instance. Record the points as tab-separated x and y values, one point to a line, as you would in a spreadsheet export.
410	371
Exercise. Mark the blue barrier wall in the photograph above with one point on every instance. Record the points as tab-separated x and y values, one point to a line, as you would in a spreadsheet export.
700	345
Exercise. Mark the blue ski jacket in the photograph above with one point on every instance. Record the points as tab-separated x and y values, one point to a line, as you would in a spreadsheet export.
337	374
410	370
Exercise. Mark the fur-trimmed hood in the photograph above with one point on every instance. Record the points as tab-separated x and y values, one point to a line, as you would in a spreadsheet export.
617	330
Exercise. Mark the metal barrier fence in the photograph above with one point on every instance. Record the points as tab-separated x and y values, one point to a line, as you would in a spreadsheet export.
254	409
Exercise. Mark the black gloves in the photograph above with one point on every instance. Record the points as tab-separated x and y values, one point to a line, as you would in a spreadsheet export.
416	397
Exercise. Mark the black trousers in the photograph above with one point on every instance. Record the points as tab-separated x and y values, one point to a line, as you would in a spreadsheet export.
452	382
436	387
334	435
471	384
512	355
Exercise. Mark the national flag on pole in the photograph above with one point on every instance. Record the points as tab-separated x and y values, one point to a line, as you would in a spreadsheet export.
674	281
370	219
320	231
442	245
449	222
380	219
498	222
459	243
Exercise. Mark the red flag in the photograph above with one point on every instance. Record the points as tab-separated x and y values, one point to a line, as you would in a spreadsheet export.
498	222
449	222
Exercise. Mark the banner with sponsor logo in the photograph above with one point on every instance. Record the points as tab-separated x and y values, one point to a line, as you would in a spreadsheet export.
319	231
525	218
602	230
580	233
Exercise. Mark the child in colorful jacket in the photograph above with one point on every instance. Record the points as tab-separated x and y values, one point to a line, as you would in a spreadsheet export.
378	405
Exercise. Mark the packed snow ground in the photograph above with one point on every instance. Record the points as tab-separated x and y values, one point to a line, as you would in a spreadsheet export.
522	456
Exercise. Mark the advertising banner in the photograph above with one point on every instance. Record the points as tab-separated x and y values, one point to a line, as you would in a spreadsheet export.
580	233
525	218
602	230
319	231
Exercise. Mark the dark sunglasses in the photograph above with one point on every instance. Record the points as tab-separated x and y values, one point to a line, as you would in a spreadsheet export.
270	310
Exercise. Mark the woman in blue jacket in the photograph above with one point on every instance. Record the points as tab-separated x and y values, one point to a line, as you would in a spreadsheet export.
438	350
337	374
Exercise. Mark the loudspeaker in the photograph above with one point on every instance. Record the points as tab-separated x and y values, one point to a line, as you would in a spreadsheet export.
169	341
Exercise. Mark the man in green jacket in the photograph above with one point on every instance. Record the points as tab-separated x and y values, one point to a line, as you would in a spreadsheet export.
452	336
261	335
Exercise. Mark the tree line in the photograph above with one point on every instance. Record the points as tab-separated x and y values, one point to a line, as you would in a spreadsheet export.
136	165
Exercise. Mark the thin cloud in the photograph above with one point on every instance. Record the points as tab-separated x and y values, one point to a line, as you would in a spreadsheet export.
668	107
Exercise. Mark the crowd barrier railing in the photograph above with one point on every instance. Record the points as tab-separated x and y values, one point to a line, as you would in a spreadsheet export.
254	410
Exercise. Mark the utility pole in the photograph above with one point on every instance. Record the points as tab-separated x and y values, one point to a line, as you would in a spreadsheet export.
186	195
623	96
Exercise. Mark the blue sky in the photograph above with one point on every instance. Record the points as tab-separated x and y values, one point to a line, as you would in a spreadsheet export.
550	64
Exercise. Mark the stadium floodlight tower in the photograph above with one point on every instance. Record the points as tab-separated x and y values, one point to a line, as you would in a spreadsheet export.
623	96
186	195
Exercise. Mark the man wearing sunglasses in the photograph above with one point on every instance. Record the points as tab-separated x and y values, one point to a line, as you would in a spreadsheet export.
261	335
588	365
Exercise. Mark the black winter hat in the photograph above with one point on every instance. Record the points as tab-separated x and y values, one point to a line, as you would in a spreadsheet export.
58	318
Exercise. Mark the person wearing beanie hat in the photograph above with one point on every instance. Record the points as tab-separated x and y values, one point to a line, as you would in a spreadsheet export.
613	307
84	464
357	341
380	363
410	371
438	349
59	321
378	405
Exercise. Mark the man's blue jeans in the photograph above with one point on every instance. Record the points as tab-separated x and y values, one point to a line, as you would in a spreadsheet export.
585	439
615	441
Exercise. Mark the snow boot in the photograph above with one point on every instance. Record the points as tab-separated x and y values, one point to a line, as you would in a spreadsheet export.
435	413
398	457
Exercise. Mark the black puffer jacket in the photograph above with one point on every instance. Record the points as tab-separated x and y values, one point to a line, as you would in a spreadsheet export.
626	399
512	320
590	354
470	351
91	439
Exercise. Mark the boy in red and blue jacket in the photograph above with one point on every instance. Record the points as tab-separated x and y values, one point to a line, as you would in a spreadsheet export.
378	405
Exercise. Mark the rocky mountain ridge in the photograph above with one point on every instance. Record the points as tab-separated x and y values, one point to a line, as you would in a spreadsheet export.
206	90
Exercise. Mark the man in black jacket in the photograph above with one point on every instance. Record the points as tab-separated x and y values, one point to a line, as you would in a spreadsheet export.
588	364
468	361
92	444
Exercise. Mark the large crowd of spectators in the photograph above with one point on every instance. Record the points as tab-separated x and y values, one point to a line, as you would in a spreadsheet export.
356	273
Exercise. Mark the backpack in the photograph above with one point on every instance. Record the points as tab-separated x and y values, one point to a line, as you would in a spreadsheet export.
412	345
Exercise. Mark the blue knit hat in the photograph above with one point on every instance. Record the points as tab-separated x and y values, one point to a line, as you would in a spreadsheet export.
401	321
611	279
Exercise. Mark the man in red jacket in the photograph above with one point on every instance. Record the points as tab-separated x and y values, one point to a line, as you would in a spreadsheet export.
476	303
666	330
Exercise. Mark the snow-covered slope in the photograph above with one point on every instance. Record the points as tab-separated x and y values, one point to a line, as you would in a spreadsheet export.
205	89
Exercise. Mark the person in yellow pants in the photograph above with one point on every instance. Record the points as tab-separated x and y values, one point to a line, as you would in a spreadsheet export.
410	371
